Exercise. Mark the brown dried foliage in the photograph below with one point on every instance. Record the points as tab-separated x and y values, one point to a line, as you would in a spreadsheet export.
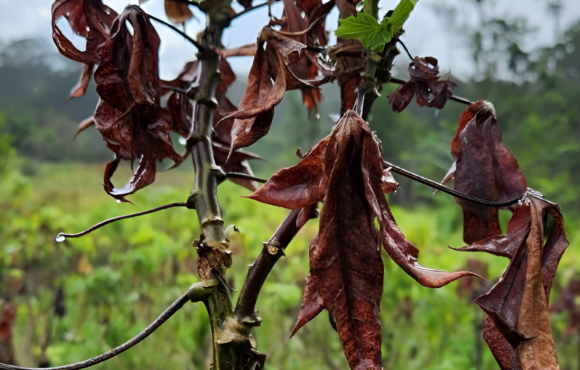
346	272
518	304
270	77
484	169
424	84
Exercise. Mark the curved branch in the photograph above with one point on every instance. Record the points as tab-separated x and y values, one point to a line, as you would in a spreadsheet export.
199	46
61	236
193	293
445	189
248	10
405	47
239	175
452	97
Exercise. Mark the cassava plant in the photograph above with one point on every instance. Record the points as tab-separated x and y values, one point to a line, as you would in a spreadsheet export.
345	173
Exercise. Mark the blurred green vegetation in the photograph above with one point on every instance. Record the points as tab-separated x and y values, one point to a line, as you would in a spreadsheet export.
80	298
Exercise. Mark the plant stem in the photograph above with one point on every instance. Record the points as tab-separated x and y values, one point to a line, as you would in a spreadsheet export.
271	253
231	339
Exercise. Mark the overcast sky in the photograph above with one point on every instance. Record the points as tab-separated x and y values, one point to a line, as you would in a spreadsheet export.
429	32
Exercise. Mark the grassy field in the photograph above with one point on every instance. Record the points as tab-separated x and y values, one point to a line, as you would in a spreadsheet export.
115	281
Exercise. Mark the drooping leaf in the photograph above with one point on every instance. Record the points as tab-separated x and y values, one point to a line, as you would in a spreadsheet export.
346	264
502	350
485	169
90	19
236	161
518	303
345	170
81	88
298	186
270	77
128	116
424	84
177	12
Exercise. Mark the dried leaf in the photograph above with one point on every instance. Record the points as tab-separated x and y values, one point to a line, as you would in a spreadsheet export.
298	186
346	264
88	122
518	303
345	169
236	161
177	12
270	77
424	85
81	88
501	349
90	19
128	115
485	169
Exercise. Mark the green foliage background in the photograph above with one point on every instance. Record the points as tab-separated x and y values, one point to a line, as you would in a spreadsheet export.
118	279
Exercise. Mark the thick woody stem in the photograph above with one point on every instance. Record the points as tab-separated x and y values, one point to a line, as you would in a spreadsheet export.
271	253
231	342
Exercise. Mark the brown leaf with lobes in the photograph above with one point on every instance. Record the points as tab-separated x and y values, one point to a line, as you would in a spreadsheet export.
485	169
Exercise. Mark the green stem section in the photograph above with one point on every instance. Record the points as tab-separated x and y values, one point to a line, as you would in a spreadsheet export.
371	7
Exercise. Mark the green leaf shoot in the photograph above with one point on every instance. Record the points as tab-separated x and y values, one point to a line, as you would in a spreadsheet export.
372	34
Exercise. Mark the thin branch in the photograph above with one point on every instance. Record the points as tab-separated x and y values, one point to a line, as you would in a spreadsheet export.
405	47
191	294
239	175
445	189
452	97
195	43
61	236
248	10
188	2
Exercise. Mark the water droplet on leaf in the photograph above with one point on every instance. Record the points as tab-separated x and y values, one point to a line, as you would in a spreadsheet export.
118	200
60	238
182	140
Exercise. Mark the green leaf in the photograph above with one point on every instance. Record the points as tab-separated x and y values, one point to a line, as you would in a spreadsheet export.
401	14
366	29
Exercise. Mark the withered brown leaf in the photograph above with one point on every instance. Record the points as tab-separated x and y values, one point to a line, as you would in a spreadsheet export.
424	84
346	170
270	77
177	12
484	169
128	116
518	303
90	19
